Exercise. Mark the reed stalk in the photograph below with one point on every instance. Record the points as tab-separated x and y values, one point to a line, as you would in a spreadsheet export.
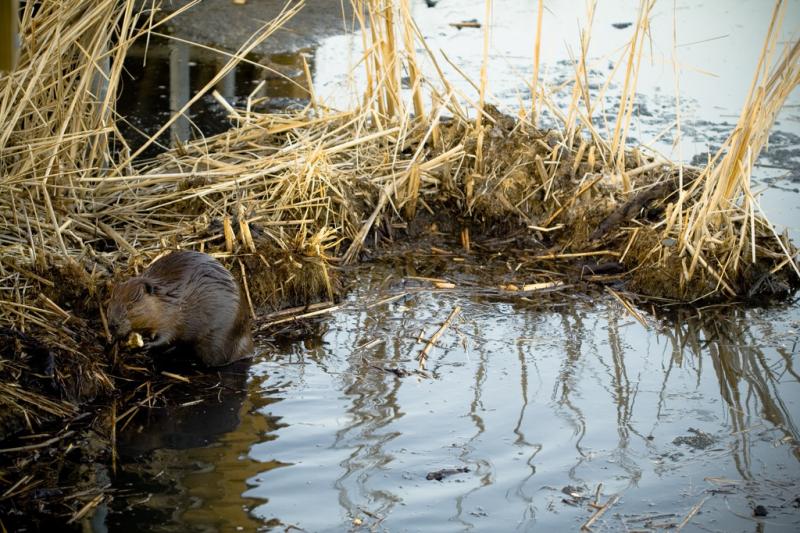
725	183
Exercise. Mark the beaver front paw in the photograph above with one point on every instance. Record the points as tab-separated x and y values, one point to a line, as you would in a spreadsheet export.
158	340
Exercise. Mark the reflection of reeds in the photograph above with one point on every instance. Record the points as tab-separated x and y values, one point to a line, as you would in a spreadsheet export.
373	409
744	372
532	449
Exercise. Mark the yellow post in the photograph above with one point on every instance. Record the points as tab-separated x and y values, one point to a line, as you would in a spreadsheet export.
9	34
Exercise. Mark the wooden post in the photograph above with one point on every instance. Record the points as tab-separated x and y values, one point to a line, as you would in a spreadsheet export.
9	34
227	85
179	88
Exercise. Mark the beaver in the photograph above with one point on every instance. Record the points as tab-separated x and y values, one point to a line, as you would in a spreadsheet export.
184	299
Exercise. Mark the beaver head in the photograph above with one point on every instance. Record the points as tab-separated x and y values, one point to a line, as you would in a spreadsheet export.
133	305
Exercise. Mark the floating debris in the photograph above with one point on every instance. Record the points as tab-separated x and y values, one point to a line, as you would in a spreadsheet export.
699	440
472	23
439	475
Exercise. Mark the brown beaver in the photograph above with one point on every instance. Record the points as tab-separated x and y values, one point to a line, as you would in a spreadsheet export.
185	298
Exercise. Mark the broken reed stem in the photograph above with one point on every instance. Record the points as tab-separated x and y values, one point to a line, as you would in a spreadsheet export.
693	511
580	89
628	307
391	65
247	290
310	82
414	74
330	308
423	355
176	377
573	255
23	486
536	52
38	445
677	213
479	163
83	511
628	95
600	512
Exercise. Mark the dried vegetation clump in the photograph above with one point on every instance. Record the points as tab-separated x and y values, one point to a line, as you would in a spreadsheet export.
286	201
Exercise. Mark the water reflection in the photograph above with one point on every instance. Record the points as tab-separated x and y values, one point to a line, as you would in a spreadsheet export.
535	399
373	407
184	466
750	379
606	375
164	74
529	449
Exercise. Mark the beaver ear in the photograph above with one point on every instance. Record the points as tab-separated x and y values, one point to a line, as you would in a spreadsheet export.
149	287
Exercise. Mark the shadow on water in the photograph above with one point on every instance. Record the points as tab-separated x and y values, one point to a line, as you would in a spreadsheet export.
541	401
193	451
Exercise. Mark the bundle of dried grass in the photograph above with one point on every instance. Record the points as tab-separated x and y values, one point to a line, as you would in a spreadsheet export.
725	242
56	112
582	195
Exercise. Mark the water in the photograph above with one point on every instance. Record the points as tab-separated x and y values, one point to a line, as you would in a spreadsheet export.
531	400
541	399
559	394
162	75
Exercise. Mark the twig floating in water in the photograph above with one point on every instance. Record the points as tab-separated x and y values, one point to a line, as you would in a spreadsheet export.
611	501
423	355
296	310
466	24
693	511
295	318
531	287
388	299
542	285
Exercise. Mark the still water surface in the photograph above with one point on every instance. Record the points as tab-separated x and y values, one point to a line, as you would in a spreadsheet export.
542	401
